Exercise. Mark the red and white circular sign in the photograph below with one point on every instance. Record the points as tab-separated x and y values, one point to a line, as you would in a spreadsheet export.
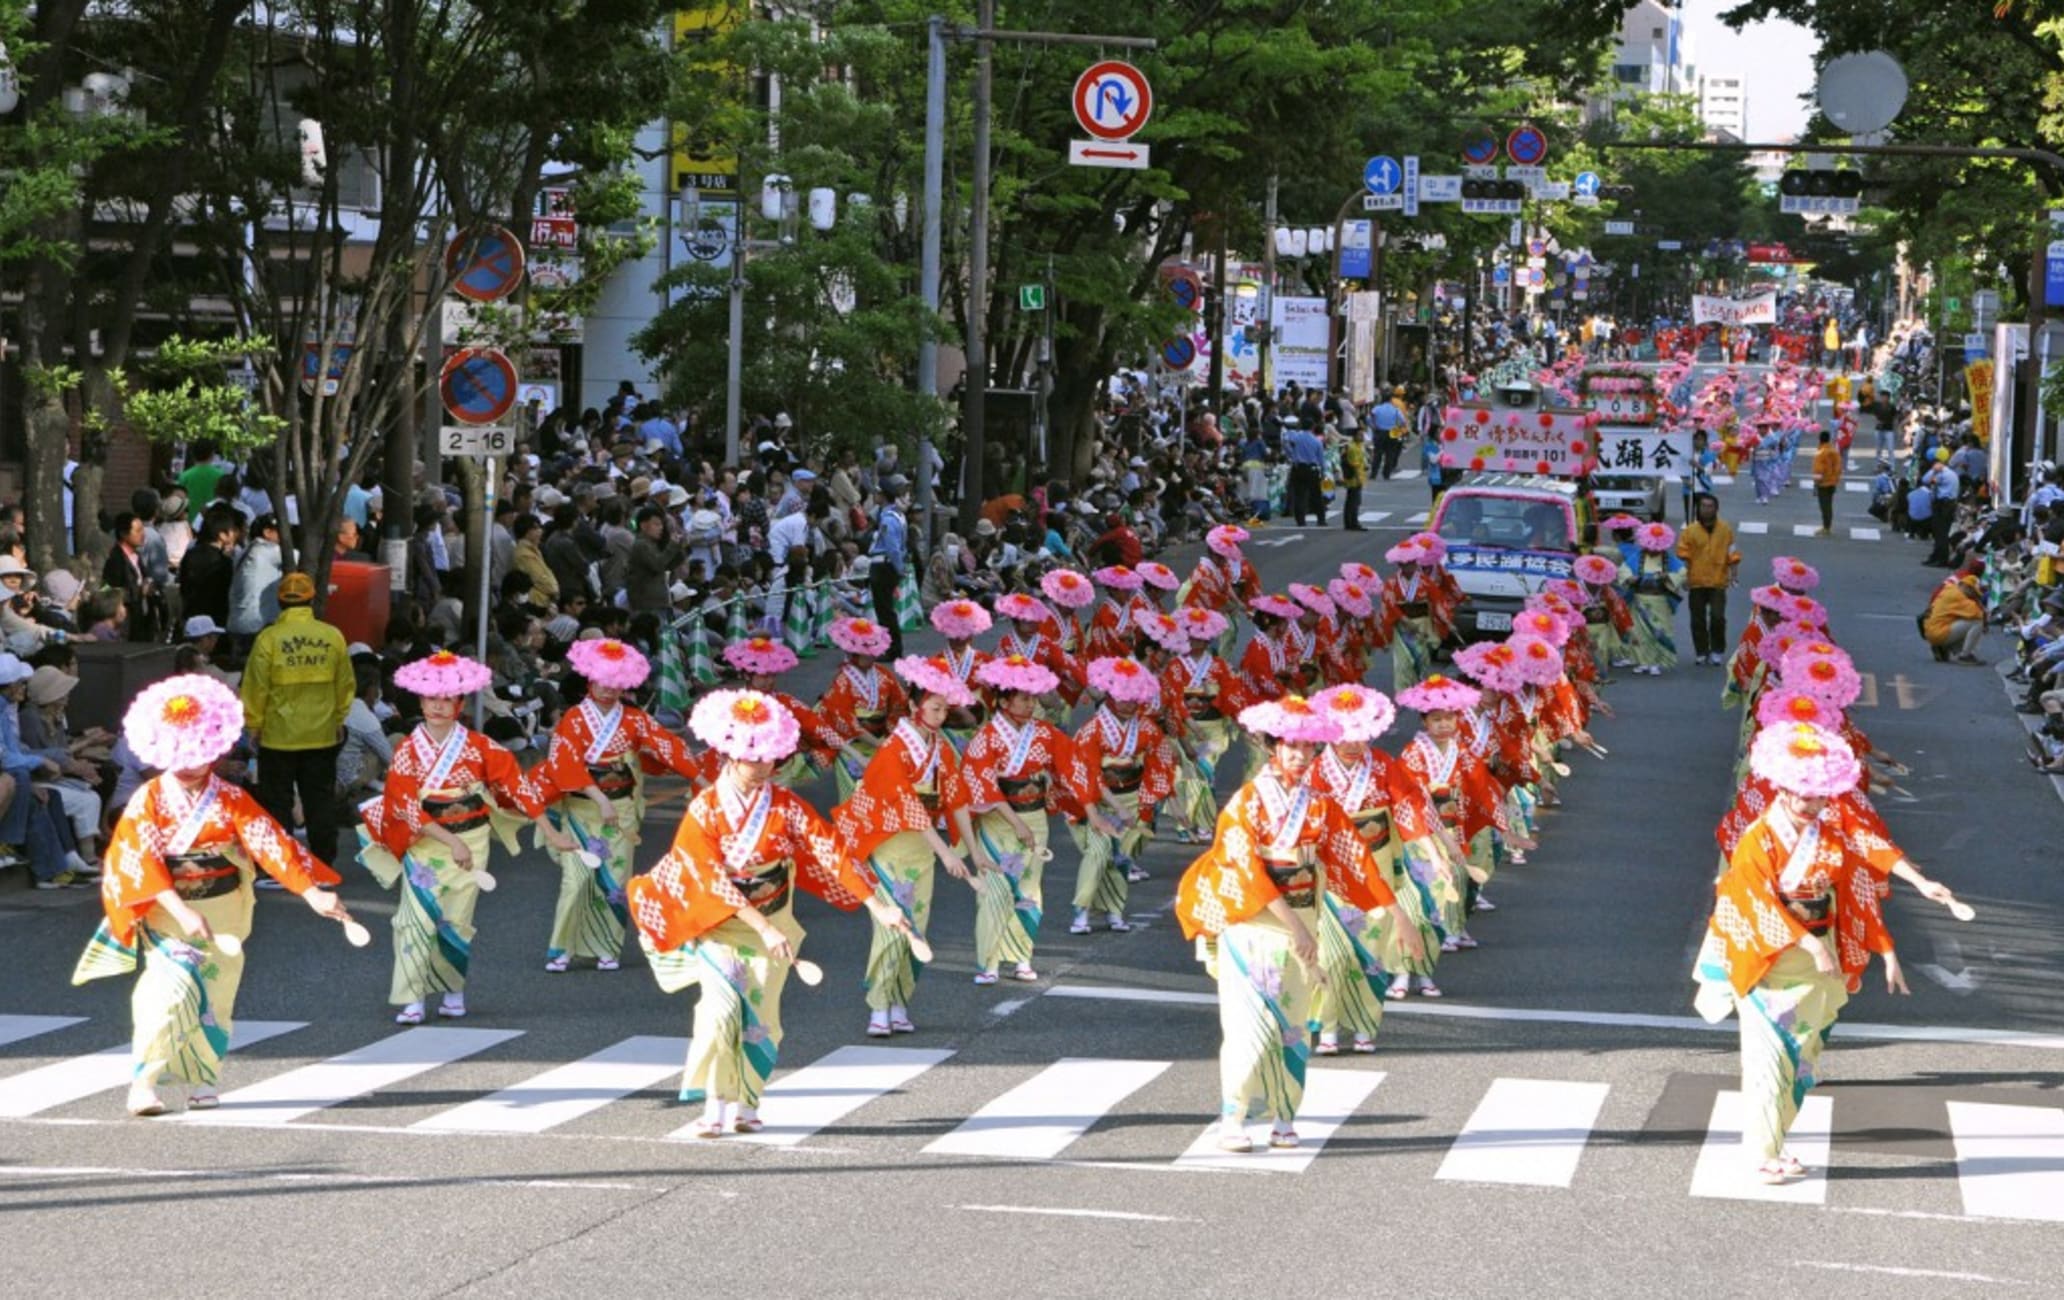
1113	100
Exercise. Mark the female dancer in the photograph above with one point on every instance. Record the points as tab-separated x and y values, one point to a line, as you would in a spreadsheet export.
718	909
1607	620
177	892
1357	951
1350	656
864	701
1411	621
1796	917
1120	771
911	790
1223	580
1252	904
1035	634
1655	582
448	793
1071	593
594	774
762	660
1011	769
1113	632
1209	695
1465	795
960	622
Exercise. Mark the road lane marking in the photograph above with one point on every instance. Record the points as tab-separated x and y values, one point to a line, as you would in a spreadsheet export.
383	1063
1805	530
1726	1171
1603	1019
14	1029
567	1092
1128	1216
1890	1270
274	1176
832	1087
1526	1131
1864	534
1330	1098
2010	1160
76	1078
1372	516
1752	527
1855	485
1042	1116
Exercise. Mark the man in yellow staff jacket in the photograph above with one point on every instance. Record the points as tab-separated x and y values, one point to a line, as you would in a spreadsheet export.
297	688
1707	548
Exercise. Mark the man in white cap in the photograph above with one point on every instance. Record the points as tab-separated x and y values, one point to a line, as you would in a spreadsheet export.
204	634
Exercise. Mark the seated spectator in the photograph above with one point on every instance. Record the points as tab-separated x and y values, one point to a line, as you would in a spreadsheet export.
363	759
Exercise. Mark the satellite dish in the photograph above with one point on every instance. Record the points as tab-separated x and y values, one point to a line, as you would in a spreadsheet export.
1862	93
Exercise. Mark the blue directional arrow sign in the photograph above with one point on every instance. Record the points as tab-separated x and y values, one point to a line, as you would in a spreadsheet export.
1586	184
1382	175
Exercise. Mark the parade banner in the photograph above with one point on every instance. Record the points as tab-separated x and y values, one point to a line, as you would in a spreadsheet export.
1978	379
1304	343
1759	310
1643	451
1556	441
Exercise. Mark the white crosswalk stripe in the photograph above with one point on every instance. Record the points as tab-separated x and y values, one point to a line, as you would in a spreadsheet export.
1864	534
1419	518
1726	1172
1752	527
567	1092
800	1105
78	1077
1528	1131
1330	1098
2010	1160
1532	1132
1039	1118
1407	473
14	1029
1804	530
1372	516
383	1063
1852	485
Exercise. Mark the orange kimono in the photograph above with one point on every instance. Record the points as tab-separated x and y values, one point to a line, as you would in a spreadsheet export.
732	851
1019	768
203	845
708	875
1046	651
1765	903
860	703
479	767
912	784
1128	765
1253	861
576	760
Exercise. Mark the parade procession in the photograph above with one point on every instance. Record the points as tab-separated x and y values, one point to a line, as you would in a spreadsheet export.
1353	858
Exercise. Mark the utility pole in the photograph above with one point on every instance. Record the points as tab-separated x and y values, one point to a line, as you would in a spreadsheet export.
1037	433
972	409
1268	283
1215	323
975	402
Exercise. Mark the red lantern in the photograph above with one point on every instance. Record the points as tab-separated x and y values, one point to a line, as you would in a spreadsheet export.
1476	462
1547	420
1542	467
1450	434
1576	446
1483	417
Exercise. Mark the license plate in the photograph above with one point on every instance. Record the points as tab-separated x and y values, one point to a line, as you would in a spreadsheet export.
1489	621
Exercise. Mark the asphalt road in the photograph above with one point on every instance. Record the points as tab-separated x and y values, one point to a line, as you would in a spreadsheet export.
1542	1127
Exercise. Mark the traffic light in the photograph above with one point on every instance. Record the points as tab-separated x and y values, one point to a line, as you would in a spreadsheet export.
1485	189
1838	184
1615	193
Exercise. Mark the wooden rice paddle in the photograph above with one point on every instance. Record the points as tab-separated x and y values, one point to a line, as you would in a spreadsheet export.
589	859
809	972
1961	910
356	934
919	948
483	880
229	945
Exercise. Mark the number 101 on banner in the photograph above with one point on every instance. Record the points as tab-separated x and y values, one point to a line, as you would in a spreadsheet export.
475	440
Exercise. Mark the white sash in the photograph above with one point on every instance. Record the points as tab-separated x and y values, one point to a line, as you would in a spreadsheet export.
868	684
741	849
1199	668
196	815
1408	588
604	726
924	750
1353	786
447	758
1440	763
1286	811
965	667
1020	741
1119	739
1803	845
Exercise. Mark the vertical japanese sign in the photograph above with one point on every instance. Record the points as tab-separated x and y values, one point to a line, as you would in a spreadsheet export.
706	164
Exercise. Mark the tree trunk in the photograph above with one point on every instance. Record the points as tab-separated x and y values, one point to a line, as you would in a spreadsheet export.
49	429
